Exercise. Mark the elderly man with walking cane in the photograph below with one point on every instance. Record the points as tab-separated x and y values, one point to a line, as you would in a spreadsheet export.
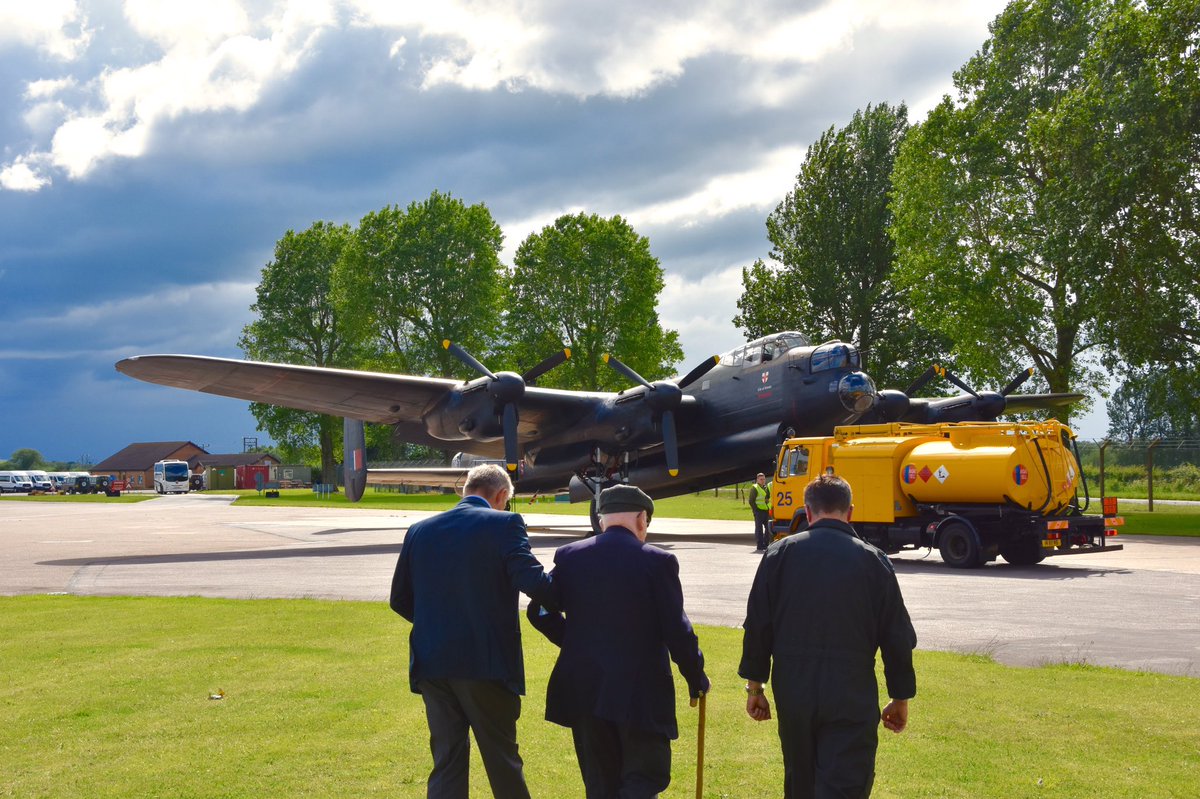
612	684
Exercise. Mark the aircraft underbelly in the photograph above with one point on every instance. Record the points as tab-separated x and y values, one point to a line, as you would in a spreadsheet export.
703	460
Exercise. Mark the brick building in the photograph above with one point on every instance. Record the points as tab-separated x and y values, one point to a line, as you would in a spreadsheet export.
135	463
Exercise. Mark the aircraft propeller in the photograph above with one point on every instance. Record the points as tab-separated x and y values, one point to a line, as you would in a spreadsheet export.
985	404
506	389
663	397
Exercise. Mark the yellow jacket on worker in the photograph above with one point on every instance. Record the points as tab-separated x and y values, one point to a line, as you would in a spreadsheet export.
760	496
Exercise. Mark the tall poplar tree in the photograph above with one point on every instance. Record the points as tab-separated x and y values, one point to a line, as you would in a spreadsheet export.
835	256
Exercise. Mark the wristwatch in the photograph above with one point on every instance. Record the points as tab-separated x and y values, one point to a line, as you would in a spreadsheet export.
755	691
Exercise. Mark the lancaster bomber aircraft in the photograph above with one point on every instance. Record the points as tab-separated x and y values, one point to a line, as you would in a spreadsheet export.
720	423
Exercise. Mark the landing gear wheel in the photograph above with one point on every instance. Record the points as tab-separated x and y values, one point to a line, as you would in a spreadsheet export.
1024	551
960	546
595	517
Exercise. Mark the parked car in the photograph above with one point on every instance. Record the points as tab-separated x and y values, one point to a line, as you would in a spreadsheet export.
82	484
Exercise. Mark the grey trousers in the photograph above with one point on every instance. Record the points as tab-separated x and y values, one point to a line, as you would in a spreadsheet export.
762	528
619	762
489	711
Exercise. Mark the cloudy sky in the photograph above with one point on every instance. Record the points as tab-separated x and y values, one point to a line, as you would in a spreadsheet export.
153	151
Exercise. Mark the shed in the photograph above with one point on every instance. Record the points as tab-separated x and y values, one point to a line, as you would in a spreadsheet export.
220	470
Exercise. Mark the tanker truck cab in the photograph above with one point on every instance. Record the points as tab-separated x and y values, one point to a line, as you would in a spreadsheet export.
972	490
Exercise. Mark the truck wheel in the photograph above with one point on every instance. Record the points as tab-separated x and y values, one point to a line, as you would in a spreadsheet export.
1023	551
959	546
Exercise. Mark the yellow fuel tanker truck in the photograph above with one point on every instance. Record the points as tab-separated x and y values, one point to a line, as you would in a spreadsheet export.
973	490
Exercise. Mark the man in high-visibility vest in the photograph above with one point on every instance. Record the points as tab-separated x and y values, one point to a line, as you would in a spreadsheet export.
760	503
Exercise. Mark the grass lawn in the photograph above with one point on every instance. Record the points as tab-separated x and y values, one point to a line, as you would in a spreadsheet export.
1173	520
690	506
109	697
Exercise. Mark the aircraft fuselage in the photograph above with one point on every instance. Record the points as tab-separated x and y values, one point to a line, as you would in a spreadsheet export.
730	421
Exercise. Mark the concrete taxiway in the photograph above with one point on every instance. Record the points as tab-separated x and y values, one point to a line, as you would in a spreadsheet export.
1136	609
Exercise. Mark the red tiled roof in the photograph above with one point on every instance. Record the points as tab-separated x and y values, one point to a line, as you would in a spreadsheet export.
141	457
235	459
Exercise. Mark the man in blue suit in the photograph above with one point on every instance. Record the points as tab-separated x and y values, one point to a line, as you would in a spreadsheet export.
457	581
612	684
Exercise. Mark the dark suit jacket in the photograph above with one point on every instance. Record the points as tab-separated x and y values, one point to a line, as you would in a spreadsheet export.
624	614
457	580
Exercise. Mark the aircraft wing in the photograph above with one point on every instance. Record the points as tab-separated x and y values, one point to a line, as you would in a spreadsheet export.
370	396
1019	403
968	408
400	400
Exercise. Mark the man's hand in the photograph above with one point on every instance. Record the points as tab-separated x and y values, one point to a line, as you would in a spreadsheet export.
700	689
758	708
895	715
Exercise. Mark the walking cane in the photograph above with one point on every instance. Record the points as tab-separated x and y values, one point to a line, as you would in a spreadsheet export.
700	749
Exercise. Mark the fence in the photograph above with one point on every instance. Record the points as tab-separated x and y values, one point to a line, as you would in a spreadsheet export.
1158	468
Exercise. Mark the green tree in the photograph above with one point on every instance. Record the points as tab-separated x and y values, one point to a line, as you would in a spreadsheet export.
1153	404
985	244
836	258
422	274
1133	125
298	322
22	460
769	296
1022	208
591	284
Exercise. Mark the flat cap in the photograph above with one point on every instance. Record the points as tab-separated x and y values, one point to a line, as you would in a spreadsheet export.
624	499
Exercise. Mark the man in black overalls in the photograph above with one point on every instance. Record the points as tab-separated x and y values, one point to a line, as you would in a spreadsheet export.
822	603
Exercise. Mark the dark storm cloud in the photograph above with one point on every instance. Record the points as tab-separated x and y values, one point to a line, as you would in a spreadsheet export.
161	251
734	239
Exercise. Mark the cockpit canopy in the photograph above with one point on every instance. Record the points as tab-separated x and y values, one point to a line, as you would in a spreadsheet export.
834	355
764	350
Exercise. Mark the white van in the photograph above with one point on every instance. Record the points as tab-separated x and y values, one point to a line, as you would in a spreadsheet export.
15	482
41	481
